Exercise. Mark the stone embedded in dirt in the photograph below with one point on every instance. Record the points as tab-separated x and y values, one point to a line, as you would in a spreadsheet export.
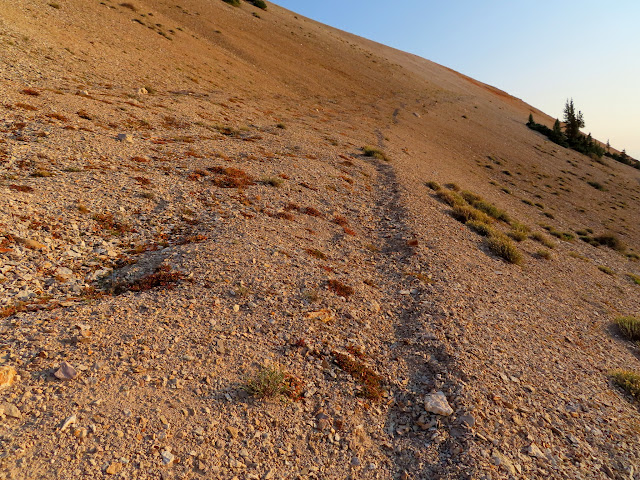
167	457
437	403
68	422
114	468
32	244
125	137
502	461
66	372
7	376
534	451
10	410
142	91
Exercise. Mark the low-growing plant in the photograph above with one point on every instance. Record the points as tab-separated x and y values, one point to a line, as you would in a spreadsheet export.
235	3
504	248
612	241
314	252
606	270
597	185
435	186
271	181
627	380
452	186
312	212
465	213
519	232
42	173
546	254
375	153
162	277
228	177
450	198
634	278
481	228
371	382
272	382
21	188
340	288
539	237
629	326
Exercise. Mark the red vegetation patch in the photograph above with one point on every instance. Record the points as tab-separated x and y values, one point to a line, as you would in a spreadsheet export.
21	188
370	381
26	106
229	177
30	91
314	252
108	222
340	288
142	180
162	277
340	220
196	175
312	212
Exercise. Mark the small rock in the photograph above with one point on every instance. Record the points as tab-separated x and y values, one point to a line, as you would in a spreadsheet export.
114	468
534	451
142	91
233	432
7	376
125	137
167	457
10	410
437	403
355	462
68	422
501	460
66	372
32	244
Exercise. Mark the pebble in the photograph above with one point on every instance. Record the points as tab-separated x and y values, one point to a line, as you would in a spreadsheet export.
125	137
167	457
66	372
114	468
7	376
437	403
68	422
10	410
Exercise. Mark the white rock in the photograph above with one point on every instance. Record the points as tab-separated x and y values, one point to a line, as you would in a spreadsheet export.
437	403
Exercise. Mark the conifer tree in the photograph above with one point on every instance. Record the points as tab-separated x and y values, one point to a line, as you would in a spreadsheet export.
573	123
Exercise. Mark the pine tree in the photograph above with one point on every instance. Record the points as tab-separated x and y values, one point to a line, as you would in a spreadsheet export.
557	135
530	122
573	123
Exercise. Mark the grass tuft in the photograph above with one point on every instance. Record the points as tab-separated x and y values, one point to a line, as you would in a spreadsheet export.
466	213
435	186
629	326
375	153
627	380
450	198
504	248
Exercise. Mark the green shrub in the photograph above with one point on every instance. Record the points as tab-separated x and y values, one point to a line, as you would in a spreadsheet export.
629	326
435	186
465	213
606	270
542	253
259	3
481	228
492	210
519	231
235	3
628	381
470	197
504	248
450	198
375	153
269	382
610	240
538	237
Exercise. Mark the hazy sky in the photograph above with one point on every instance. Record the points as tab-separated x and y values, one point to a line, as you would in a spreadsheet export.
542	52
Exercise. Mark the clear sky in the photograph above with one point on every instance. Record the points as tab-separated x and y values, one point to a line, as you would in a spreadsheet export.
541	51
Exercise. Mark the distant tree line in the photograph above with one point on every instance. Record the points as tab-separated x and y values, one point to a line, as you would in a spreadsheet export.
572	137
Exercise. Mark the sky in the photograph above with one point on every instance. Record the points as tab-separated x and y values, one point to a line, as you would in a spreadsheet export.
543	52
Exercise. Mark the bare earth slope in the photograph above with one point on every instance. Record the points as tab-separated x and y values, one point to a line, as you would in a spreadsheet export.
185	201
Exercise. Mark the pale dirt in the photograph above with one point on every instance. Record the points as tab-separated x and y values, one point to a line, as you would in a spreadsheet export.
523	353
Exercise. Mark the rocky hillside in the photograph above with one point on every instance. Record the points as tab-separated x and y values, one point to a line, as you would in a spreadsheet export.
238	244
